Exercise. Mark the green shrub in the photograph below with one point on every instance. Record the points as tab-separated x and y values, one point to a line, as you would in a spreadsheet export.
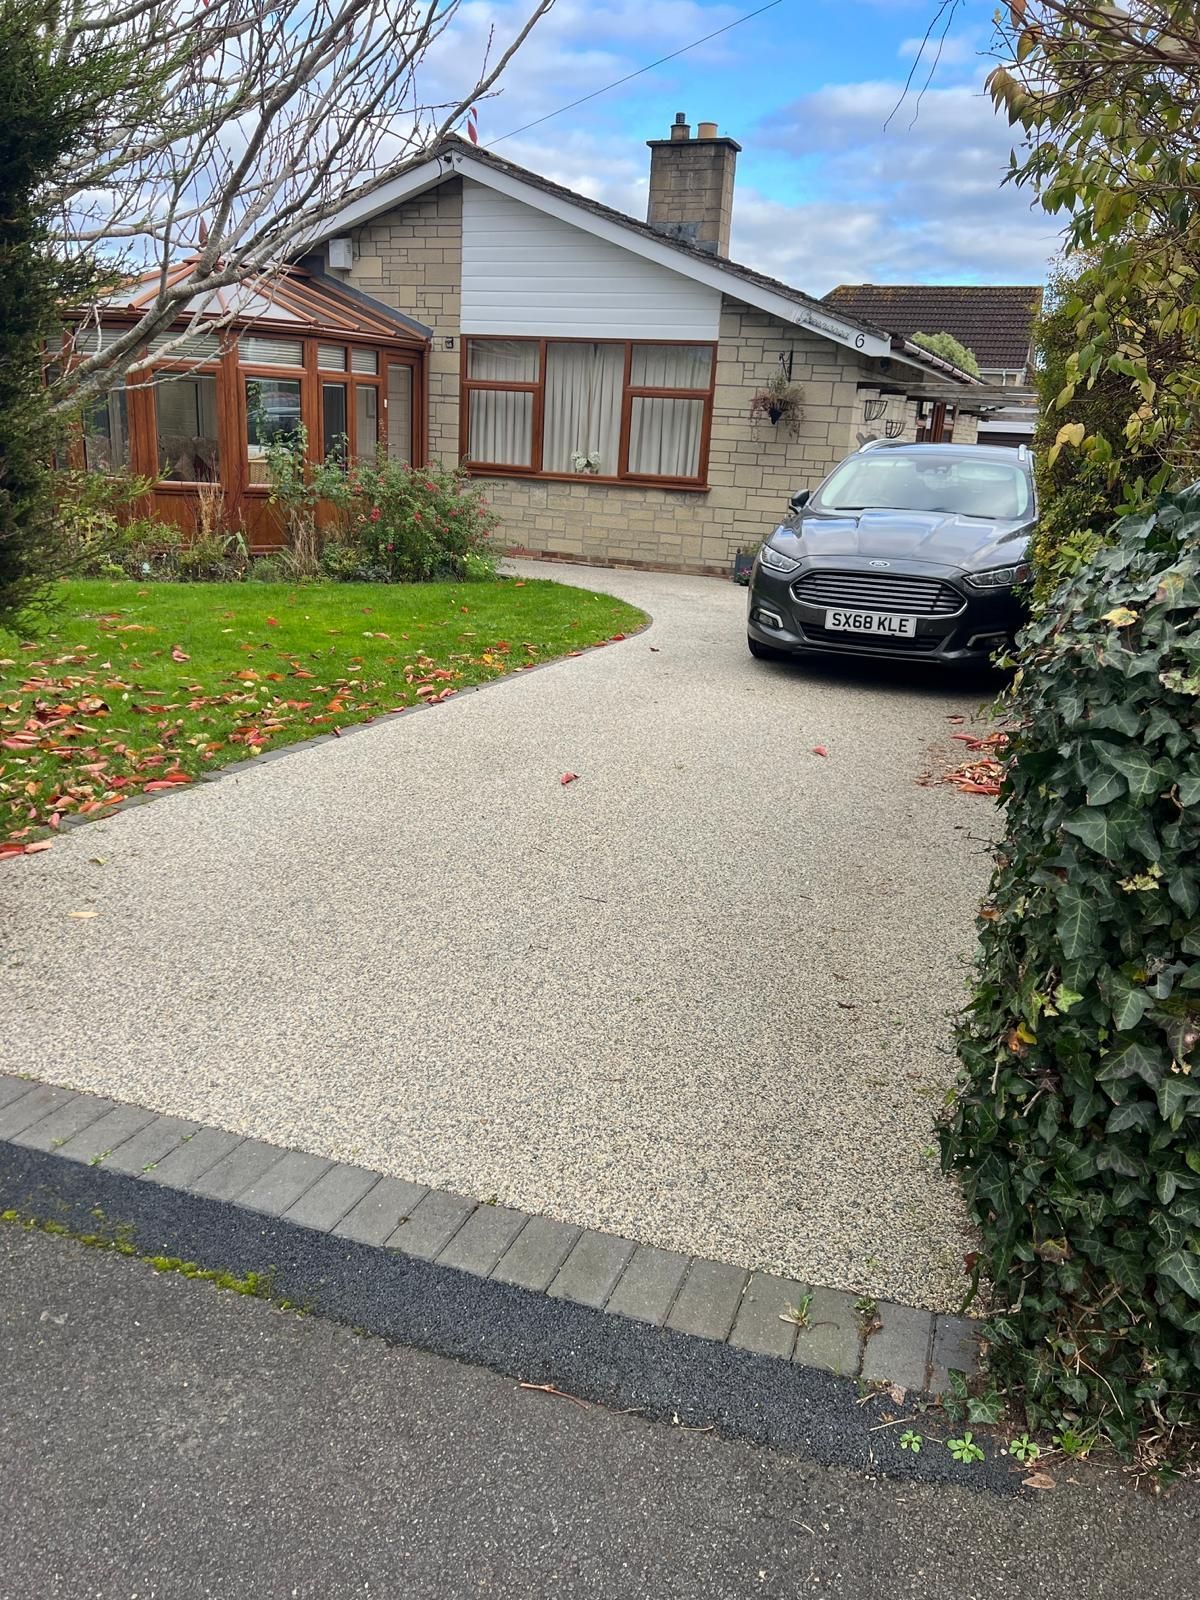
420	524
99	522
1079	495
1076	1122
350	563
211	558
268	569
950	349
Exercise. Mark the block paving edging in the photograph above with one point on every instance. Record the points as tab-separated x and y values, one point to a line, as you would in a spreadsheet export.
748	1310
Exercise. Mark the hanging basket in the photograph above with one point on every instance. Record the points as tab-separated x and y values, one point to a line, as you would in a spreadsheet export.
780	401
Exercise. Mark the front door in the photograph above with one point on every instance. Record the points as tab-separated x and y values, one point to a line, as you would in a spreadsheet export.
400	432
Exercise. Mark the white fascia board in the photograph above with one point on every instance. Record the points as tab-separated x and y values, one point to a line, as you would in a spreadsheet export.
405	187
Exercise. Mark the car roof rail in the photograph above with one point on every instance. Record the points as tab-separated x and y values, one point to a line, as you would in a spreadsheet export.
874	444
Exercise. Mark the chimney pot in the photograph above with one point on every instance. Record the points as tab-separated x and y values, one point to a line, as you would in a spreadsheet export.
680	128
706	130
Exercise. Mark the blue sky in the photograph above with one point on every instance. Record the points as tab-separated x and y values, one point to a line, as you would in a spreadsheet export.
825	194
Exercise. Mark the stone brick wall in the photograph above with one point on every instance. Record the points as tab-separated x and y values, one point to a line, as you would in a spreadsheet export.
411	259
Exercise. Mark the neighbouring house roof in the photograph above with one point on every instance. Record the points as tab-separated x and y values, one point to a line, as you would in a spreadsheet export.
995	322
456	157
299	297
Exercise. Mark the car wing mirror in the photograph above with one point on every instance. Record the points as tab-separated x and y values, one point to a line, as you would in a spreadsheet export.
800	500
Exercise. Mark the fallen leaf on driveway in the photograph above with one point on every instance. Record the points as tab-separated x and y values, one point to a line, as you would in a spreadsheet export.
653	649
178	654
898	1392
819	750
81	916
1038	1480
568	777
7	850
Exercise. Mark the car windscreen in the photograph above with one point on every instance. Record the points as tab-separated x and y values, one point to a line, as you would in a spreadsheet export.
958	486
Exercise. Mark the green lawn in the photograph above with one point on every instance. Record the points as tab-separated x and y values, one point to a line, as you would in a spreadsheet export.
130	687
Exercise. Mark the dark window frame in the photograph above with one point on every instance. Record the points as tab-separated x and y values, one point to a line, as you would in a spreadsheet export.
629	393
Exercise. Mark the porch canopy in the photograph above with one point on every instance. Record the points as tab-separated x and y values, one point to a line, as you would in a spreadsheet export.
296	351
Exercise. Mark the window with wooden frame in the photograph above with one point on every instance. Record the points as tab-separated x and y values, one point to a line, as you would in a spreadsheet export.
619	411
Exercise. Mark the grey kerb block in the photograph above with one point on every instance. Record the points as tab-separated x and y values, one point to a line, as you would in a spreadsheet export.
898	1351
649	1284
708	1301
590	1272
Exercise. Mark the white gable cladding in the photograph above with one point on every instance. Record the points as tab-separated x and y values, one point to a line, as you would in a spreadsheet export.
524	272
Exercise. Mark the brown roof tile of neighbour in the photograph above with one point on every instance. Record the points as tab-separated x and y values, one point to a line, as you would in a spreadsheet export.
995	322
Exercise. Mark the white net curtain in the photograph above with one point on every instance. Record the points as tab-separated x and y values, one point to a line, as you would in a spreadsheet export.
582	416
583	389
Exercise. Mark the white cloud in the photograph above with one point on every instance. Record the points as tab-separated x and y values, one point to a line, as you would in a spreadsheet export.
573	51
920	200
952	51
825	193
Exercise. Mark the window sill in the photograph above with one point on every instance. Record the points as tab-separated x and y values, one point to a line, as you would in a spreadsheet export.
523	475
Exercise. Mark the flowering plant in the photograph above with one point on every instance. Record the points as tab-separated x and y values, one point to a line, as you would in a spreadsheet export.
412	525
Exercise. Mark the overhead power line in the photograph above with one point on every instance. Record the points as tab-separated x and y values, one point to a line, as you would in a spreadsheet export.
629	76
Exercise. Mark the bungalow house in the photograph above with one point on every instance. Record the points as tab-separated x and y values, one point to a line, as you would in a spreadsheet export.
596	371
994	322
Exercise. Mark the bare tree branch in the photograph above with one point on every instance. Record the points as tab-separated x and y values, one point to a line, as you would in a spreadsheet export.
257	122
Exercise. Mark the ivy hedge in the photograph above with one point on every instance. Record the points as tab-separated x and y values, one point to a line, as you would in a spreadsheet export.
1075	1124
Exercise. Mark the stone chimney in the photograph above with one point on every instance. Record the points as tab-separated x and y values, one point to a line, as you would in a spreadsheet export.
691	185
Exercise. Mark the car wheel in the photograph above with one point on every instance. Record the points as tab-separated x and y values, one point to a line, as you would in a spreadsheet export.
763	652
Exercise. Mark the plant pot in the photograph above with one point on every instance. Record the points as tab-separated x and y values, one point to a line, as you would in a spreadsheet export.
743	565
774	412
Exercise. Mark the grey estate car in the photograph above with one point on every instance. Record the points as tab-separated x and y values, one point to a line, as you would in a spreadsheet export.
913	550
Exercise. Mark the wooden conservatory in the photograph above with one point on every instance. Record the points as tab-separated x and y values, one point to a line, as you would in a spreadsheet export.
302	350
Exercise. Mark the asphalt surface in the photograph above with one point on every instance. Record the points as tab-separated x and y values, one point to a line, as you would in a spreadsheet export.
164	1440
698	997
615	1361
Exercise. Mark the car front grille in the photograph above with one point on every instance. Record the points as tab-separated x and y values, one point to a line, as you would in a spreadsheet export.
858	642
878	591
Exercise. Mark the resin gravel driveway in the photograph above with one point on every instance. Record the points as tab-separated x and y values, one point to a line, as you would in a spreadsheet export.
698	997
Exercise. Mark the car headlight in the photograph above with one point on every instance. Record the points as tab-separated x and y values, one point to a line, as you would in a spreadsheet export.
1000	577
775	560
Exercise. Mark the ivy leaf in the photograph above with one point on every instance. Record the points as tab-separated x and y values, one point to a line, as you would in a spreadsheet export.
1144	777
1185	892
1105	787
1134	1060
1183	1268
1102	831
1173	1096
1133	1114
1128	1003
1077	924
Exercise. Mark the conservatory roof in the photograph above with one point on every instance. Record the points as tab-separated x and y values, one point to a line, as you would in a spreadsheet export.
299	297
